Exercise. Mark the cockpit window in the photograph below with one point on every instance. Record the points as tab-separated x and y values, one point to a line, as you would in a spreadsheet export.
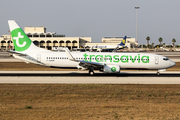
166	59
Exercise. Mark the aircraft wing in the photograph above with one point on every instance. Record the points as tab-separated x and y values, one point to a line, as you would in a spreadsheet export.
82	63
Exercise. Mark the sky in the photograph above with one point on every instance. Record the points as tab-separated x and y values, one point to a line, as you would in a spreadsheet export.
97	18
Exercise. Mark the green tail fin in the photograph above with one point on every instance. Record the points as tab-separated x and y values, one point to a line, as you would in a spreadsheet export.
20	40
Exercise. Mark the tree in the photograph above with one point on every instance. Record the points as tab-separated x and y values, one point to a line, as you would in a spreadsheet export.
160	40
148	38
152	45
164	44
173	40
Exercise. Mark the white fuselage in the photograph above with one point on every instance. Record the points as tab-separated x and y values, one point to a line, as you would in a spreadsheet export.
107	47
125	60
106	61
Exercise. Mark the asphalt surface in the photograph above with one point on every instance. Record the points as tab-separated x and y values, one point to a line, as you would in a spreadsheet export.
79	74
82	77
85	74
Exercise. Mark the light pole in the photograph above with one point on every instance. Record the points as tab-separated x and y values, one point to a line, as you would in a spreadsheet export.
137	23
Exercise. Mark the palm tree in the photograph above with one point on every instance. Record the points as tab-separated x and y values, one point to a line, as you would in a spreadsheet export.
164	44
160	40
152	45
148	38
173	40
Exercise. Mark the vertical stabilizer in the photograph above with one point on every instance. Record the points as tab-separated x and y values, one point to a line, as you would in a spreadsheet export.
21	41
123	42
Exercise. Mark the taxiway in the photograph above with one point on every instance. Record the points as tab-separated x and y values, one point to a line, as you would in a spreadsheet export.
82	77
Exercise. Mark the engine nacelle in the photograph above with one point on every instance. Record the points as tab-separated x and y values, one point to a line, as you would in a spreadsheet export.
111	69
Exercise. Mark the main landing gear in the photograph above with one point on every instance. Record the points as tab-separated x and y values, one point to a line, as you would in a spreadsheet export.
158	73
91	72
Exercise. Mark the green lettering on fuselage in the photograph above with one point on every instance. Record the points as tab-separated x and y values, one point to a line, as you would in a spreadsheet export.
117	58
99	57
85	55
133	59
91	57
145	61
139	58
124	58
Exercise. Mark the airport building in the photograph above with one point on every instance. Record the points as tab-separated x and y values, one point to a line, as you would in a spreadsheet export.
48	40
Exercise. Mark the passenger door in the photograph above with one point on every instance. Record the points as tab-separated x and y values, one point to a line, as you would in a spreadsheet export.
156	60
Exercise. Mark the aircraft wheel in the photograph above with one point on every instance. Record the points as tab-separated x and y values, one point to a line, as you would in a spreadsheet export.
158	73
91	72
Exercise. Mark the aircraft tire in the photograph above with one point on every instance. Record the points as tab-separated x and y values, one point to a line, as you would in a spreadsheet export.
158	73
91	72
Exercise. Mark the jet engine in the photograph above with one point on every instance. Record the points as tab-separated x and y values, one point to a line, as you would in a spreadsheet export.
111	69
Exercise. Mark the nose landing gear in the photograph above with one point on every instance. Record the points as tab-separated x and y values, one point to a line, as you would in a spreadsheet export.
161	70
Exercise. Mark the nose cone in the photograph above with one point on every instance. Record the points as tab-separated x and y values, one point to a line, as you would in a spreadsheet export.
171	64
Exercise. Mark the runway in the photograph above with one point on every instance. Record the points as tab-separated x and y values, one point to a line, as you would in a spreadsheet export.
82	77
85	74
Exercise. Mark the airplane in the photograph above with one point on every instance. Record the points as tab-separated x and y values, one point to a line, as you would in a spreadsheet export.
162	48
110	47
105	62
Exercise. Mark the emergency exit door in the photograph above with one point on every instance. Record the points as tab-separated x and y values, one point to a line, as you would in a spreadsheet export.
39	58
